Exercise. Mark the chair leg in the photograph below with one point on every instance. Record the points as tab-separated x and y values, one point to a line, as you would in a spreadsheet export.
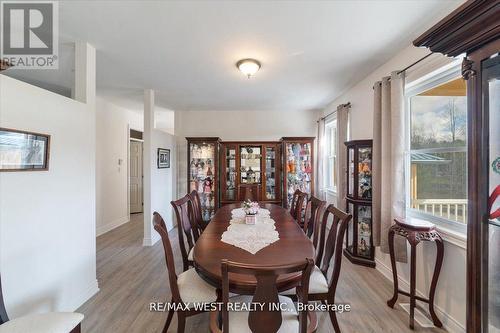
181	324
169	319
335	323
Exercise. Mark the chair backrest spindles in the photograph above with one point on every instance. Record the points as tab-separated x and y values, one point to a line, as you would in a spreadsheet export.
196	211
314	213
298	200
265	319
331	246
184	213
160	227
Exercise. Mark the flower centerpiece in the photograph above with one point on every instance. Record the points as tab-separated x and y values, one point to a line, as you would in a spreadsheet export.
251	209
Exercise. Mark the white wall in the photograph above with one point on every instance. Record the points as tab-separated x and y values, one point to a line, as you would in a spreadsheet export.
47	218
450	295
162	187
112	127
163	181
238	126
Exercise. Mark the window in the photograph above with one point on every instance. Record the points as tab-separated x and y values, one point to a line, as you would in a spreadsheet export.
437	149
331	155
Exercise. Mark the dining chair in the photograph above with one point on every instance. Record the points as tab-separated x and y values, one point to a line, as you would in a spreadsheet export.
314	211
187	228
196	210
51	322
329	249
266	319
297	205
187	287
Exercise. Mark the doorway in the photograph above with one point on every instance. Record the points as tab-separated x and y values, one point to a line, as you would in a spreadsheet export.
136	176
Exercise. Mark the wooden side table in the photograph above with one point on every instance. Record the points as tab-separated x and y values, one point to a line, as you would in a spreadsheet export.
415	231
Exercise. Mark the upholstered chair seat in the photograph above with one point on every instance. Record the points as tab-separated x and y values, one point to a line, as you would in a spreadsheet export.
317	283
53	322
193	288
190	255
238	320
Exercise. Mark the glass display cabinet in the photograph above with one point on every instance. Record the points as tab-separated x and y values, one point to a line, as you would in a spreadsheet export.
359	238
203	172
251	170
298	159
477	37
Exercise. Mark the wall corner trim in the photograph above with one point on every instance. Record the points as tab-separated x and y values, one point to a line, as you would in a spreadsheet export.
91	290
106	227
151	241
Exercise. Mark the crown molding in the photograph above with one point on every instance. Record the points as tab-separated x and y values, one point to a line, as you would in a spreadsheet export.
470	26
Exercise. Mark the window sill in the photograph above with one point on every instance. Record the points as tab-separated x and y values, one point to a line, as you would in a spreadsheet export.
449	234
331	191
453	237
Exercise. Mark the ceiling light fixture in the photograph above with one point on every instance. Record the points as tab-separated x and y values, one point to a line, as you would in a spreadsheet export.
248	66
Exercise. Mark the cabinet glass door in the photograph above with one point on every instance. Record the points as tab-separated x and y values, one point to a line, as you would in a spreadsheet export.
364	220
491	87
271	180
350	229
250	164
202	175
365	173
350	172
298	169
230	173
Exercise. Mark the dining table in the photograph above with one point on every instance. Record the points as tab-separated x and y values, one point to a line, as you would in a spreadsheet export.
293	246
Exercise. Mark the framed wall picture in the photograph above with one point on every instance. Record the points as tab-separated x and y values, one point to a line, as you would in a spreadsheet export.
163	158
23	151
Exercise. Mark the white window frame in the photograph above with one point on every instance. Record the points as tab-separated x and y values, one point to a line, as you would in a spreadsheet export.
330	122
445	74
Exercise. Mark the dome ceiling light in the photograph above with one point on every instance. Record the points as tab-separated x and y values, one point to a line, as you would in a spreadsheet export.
248	66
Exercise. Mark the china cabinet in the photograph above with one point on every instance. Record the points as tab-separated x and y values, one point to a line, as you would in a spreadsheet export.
250	170
203	154
359	239
298	166
474	29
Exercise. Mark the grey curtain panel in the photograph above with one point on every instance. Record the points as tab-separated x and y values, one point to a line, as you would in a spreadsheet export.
320	182
388	161
342	122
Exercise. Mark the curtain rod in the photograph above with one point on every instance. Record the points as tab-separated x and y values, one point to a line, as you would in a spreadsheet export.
346	105
411	65
416	62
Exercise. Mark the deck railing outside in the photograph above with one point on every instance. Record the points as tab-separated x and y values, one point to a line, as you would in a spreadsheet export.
451	209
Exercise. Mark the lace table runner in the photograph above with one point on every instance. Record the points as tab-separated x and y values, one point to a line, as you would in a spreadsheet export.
239	212
251	238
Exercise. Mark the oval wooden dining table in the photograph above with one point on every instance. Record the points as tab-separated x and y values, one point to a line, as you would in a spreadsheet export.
292	247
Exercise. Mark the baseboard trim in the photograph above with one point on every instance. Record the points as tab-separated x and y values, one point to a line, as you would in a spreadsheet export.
151	241
86	295
449	323
111	225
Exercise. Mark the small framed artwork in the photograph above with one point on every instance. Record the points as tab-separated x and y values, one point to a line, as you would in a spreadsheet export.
23	151
163	158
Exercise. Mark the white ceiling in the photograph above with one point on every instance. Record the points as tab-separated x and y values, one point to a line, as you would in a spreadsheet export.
186	51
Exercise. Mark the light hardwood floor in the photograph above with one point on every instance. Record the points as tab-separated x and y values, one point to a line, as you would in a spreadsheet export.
131	276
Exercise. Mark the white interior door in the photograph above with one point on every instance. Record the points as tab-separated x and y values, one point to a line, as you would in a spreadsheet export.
135	177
